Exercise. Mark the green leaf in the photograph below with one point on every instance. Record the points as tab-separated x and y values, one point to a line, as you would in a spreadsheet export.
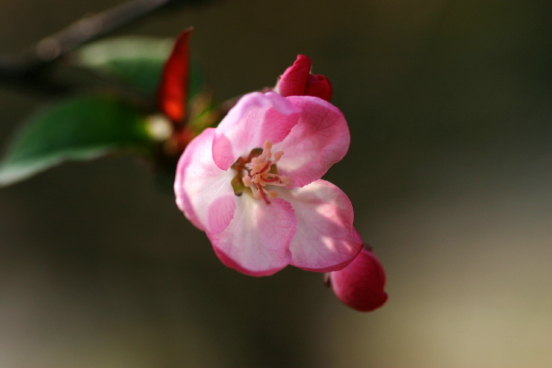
136	60
80	128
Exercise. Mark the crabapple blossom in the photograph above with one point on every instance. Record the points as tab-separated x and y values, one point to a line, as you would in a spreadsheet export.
253	184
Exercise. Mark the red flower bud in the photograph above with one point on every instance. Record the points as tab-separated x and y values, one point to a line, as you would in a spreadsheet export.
361	284
173	89
319	86
297	81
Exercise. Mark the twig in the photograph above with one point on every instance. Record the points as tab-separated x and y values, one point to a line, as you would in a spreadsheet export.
92	27
29	70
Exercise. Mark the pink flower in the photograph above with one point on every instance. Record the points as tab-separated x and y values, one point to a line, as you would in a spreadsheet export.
298	81
361	284
253	185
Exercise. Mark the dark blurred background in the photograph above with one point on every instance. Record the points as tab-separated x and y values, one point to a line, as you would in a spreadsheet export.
449	170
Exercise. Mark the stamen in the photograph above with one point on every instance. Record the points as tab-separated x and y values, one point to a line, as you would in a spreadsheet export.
255	192
246	180
265	167
261	191
267	147
259	170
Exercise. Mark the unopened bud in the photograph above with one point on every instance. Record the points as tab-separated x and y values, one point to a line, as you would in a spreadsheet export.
361	284
319	86
298	81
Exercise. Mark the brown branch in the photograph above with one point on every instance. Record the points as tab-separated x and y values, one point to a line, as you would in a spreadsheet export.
92	27
29	70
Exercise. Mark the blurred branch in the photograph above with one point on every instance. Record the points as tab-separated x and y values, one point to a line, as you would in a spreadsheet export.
29	70
22	74
94	27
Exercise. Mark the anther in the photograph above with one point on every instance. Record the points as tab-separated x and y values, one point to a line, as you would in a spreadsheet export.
259	170
267	147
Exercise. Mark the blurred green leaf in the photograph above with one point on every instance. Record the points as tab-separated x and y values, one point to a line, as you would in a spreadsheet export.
136	60
80	128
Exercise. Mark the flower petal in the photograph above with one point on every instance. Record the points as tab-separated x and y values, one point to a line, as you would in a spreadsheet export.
320	139
257	240
203	191
256	118
325	239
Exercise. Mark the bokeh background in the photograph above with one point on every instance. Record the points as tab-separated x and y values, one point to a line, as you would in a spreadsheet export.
449	170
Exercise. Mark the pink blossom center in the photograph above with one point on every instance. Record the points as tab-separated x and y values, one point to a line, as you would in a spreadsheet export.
258	171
